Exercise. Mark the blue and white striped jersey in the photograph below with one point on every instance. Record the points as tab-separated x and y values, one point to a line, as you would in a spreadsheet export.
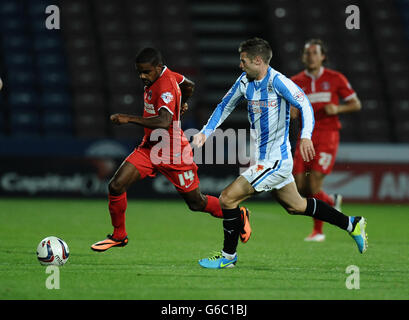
268	106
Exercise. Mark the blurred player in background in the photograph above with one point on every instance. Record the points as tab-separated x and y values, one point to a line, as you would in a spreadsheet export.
165	95
269	95
324	88
1	84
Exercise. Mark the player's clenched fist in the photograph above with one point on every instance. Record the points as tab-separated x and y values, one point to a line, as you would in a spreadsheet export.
119	118
199	140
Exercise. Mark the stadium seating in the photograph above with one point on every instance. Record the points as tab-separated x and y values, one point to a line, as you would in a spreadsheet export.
57	123
68	81
33	70
25	122
3	122
373	58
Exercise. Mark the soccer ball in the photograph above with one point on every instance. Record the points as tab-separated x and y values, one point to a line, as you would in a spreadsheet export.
52	251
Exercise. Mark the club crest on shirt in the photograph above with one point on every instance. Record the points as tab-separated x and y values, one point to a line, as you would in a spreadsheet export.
325	85
166	97
299	96
270	87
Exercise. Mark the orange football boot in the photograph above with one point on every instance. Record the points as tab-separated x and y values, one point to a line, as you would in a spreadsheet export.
108	243
245	232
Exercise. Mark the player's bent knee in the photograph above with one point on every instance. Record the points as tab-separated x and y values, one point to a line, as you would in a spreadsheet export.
291	211
225	200
116	188
298	209
196	205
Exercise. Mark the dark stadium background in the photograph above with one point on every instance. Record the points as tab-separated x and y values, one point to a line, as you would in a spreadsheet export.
60	86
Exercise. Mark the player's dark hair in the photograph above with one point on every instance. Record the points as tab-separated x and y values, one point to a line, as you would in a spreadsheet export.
257	47
149	55
320	43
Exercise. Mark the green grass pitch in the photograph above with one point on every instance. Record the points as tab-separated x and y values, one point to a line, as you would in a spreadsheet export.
166	240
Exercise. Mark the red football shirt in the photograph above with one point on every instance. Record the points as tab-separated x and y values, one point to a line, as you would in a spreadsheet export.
328	87
165	93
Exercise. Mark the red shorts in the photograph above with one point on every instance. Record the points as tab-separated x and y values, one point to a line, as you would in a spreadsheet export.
326	147
183	176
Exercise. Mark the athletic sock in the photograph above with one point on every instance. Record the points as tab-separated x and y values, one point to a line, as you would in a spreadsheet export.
323	196
320	210
318	224
232	225
117	207
229	256
213	207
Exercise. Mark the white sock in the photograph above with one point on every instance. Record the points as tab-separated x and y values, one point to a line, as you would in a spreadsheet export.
229	256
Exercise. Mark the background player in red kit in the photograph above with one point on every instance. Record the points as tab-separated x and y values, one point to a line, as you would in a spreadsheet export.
165	94
324	88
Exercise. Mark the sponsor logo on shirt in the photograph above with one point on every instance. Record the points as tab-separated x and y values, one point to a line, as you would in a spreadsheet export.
263	103
149	108
319	97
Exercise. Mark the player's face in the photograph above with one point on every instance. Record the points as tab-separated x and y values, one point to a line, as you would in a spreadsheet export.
148	73
249	66
312	56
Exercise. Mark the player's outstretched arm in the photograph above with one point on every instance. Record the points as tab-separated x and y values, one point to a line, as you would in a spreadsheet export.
199	140
297	98
162	121
223	109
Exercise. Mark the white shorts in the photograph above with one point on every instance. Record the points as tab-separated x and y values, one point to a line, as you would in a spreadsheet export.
269	175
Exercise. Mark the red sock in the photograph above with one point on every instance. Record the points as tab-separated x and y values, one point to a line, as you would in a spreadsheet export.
213	207
318	225
327	199
324	197
117	207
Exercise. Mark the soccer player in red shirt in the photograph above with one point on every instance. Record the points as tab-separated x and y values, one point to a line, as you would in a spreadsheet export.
324	88
165	96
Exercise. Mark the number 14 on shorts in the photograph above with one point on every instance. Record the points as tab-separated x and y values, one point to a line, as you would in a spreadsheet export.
186	179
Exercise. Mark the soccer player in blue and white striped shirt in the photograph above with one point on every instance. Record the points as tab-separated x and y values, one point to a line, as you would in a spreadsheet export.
269	95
